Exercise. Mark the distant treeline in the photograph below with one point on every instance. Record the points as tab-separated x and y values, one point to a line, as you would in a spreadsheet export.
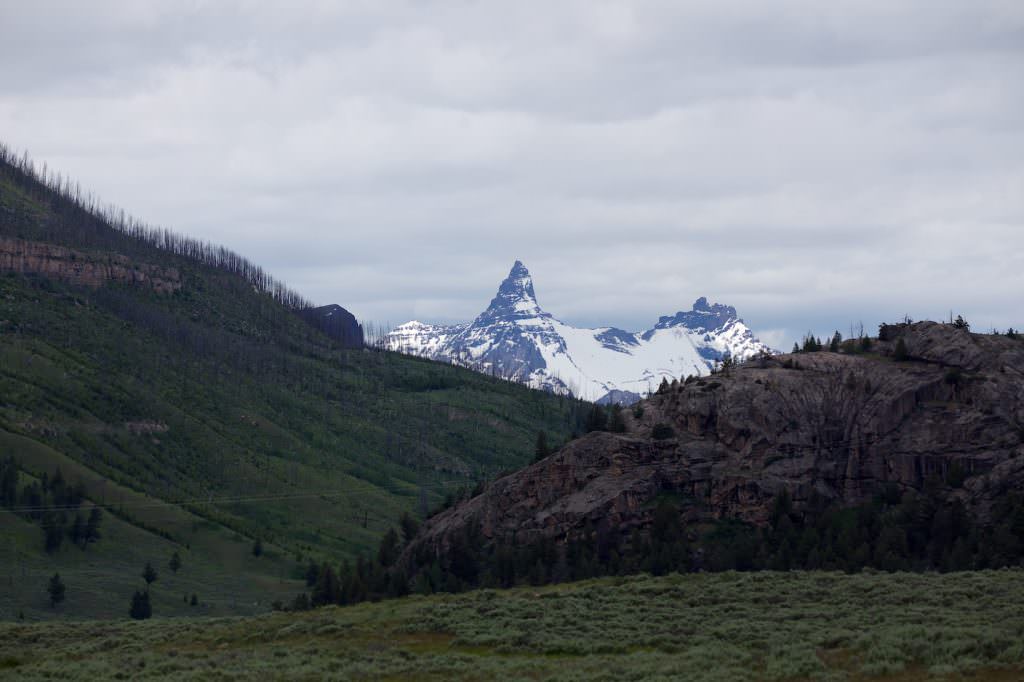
80	220
50	502
896	531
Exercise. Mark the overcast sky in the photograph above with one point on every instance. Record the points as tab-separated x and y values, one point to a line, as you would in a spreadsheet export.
812	163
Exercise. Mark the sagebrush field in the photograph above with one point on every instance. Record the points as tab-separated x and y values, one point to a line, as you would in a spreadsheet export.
726	626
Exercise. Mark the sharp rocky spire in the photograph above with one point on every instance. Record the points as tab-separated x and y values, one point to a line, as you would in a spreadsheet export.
515	297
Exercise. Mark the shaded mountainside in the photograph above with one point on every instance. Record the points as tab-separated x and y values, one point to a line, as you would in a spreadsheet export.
818	429
516	339
207	415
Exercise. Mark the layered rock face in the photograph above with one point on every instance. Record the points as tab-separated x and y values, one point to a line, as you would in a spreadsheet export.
835	424
82	267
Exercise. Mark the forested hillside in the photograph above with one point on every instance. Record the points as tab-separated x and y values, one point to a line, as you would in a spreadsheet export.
171	384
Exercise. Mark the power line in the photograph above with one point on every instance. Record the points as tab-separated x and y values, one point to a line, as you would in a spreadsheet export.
214	500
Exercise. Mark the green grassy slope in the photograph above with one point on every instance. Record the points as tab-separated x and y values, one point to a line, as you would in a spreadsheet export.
726	626
214	416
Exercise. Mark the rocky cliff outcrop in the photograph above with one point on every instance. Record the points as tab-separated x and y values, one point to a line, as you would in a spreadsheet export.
92	269
839	425
337	323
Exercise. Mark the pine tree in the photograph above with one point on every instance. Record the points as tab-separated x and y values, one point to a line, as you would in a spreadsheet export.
9	482
616	424
149	574
77	531
541	450
141	608
53	530
257	547
811	343
327	589
834	344
312	573
899	354
301	602
92	527
961	323
175	563
387	553
597	420
662	431
56	589
409	527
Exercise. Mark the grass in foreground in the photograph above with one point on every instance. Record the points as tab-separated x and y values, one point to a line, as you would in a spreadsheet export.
727	626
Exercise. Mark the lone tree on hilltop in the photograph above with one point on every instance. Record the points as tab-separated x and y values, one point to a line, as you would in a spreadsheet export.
56	589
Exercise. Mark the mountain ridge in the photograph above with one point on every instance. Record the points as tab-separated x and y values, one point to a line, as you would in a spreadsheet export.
517	339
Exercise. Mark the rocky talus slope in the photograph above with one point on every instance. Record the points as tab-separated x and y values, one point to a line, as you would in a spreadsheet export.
838	424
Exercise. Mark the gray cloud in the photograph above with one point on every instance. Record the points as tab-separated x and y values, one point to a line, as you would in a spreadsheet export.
813	164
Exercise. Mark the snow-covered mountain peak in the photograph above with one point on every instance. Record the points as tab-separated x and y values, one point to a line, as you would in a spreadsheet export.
515	297
515	339
704	317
